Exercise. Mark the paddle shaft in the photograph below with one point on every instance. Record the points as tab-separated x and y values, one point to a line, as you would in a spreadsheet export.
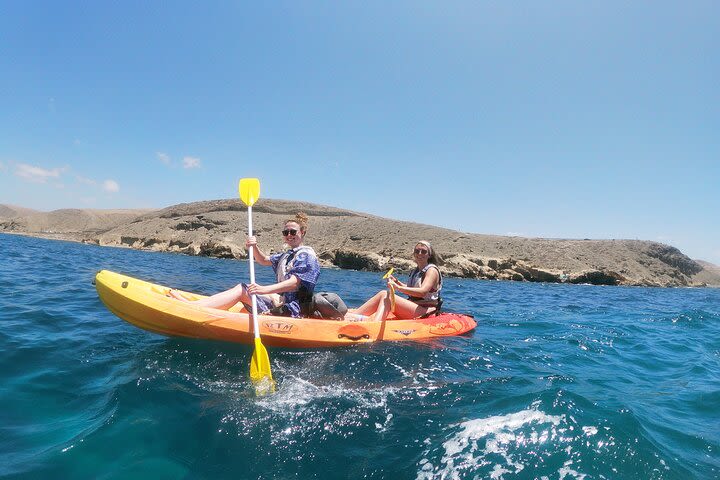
251	254
391	290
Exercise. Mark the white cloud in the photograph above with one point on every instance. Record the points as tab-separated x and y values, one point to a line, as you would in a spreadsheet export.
86	181
36	174
111	186
164	158
2	167
191	162
77	142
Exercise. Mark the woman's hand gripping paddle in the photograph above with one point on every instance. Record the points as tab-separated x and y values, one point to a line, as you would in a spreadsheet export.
260	373
391	288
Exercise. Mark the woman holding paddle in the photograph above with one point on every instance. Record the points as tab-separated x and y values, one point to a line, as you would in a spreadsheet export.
296	269
423	289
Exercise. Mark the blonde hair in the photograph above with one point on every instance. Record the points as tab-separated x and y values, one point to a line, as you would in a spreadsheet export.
301	219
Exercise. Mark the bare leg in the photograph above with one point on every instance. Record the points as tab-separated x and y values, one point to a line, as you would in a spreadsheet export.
379	307
371	305
222	300
383	308
405	308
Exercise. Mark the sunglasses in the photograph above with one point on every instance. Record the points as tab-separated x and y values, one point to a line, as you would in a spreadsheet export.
421	251
289	231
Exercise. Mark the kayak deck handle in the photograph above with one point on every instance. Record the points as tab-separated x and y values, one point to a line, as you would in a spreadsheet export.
354	338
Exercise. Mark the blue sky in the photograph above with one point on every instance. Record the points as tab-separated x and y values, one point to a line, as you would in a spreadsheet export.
548	119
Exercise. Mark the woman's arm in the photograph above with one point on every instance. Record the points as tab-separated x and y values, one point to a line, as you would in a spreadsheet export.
259	255
289	285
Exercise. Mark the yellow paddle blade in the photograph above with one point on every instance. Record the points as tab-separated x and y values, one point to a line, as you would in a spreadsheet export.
249	189
260	373
390	272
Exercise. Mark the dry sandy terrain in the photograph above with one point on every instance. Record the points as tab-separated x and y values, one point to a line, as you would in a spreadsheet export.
349	239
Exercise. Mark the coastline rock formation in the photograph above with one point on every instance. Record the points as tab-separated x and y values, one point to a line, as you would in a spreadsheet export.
360	241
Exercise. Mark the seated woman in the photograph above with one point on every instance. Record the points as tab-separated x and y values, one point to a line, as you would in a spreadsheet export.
297	270
423	289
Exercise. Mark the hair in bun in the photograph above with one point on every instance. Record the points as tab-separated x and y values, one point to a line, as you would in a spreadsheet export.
301	219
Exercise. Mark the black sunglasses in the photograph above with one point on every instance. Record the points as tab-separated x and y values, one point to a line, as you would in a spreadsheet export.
421	251
289	231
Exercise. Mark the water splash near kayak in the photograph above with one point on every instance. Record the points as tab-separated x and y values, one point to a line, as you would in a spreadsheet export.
490	441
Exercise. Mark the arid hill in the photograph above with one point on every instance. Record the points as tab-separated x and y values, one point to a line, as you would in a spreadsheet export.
12	211
67	221
356	240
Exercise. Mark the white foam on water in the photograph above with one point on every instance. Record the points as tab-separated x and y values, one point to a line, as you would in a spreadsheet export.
422	375
463	453
498	472
296	392
382	427
301	410
565	470
402	371
305	401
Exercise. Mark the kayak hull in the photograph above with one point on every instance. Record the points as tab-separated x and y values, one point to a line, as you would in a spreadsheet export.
147	306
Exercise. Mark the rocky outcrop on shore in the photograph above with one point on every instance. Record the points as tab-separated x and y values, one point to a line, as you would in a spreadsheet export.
354	240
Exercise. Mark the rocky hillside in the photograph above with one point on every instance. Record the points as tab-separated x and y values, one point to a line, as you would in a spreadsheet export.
68	224
355	240
12	211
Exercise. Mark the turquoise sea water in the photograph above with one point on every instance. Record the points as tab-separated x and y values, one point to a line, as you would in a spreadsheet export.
557	382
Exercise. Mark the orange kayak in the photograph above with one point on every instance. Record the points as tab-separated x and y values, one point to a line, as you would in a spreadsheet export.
147	305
